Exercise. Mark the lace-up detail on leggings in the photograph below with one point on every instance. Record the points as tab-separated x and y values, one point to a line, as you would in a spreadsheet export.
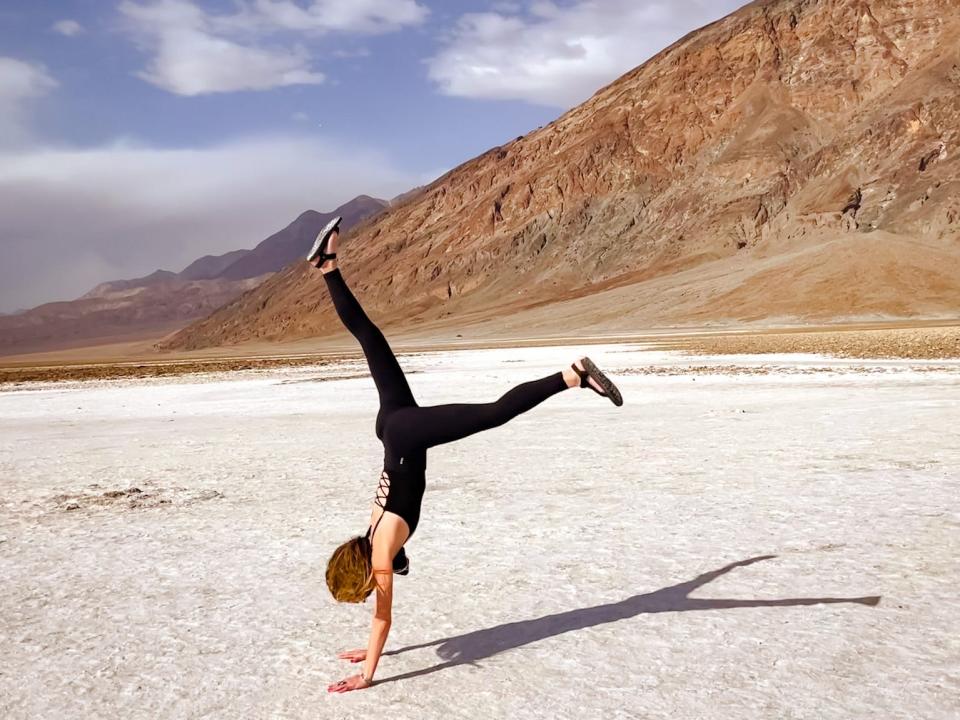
400	493
383	491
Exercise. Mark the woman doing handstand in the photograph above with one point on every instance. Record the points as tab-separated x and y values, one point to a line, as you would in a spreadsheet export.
364	564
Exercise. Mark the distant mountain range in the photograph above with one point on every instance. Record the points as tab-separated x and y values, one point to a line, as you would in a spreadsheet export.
794	161
163	301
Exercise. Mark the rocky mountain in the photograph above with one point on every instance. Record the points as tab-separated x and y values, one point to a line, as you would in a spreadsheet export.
796	160
281	249
164	301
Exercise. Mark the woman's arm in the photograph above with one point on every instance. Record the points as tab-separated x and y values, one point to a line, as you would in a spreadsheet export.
382	617
379	629
391	534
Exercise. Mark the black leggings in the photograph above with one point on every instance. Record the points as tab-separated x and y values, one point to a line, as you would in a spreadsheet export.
405	428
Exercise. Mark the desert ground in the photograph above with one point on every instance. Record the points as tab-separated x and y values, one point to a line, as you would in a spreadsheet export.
749	536
908	339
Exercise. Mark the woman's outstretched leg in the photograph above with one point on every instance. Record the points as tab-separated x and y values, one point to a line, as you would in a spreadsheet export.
441	424
424	427
387	375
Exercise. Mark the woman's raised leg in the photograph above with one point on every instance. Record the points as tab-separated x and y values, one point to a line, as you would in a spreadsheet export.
391	383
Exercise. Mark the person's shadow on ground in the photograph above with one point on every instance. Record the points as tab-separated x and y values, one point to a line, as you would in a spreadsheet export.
480	644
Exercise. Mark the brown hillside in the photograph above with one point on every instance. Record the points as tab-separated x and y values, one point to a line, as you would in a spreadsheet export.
796	159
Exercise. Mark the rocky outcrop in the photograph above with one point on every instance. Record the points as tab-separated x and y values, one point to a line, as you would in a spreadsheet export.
798	158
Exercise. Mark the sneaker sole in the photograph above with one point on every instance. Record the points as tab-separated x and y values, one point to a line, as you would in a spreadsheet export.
605	383
321	236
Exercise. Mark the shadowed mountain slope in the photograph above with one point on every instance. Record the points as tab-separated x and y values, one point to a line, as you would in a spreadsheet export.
211	266
163	301
282	248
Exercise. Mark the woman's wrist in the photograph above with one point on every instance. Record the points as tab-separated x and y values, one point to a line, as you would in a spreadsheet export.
368	679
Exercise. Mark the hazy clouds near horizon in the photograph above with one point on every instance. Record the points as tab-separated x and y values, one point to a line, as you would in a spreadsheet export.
72	219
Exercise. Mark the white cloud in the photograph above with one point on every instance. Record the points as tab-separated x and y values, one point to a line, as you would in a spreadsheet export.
189	59
74	218
559	55
67	27
369	17
195	52
20	84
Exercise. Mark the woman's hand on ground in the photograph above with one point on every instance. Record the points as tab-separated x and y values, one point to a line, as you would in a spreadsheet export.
355	682
354	656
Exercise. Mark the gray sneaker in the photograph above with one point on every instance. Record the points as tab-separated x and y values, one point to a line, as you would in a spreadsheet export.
320	244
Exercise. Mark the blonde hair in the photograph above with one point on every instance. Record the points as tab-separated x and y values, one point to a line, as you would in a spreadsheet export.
350	571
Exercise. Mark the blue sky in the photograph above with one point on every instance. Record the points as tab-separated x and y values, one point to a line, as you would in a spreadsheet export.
137	134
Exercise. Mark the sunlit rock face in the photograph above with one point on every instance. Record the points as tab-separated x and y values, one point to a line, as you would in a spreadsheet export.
795	159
